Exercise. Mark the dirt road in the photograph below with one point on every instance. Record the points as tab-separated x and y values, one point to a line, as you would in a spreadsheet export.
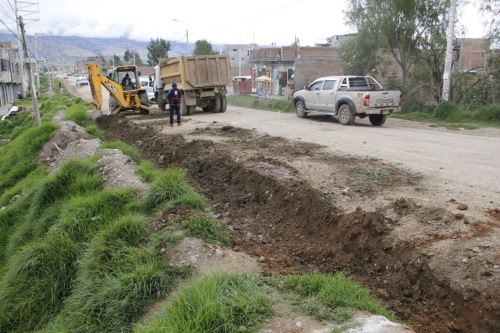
379	203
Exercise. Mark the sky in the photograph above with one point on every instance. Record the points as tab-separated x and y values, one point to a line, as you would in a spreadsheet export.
224	21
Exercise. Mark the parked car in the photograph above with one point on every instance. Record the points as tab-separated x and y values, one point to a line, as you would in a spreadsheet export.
347	97
82	81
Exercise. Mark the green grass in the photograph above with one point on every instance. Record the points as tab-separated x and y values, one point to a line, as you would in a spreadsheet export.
261	104
206	228
134	154
333	297
167	185
214	304
454	116
77	257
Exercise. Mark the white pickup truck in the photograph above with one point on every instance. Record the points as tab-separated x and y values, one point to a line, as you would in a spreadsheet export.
346	97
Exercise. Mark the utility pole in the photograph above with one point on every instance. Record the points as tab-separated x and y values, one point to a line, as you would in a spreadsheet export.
34	99
19	47
449	50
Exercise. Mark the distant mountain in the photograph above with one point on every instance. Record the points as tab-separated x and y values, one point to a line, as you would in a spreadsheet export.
67	49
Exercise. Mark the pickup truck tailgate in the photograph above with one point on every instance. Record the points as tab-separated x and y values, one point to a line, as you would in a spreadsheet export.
381	99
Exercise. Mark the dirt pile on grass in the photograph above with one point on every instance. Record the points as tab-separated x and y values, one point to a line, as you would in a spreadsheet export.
294	228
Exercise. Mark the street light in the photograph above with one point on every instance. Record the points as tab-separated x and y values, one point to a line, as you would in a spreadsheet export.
187	35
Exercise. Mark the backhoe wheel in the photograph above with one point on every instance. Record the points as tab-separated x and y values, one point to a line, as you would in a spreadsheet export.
346	116
223	102
377	119
217	103
300	109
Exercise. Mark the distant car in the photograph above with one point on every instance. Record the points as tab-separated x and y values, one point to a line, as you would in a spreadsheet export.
82	81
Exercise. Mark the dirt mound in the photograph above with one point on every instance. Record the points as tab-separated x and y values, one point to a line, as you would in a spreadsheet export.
70	135
295	228
118	170
209	258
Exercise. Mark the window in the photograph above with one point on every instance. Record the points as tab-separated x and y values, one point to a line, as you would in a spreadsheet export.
358	82
329	84
316	86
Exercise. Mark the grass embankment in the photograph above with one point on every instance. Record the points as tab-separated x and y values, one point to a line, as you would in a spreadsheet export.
454	116
271	104
78	257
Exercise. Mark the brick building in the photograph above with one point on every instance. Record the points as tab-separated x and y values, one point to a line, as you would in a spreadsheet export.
10	73
473	53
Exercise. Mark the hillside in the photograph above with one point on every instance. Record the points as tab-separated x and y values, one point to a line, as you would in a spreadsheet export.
66	49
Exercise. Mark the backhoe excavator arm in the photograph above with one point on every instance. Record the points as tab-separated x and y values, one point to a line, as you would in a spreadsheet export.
96	79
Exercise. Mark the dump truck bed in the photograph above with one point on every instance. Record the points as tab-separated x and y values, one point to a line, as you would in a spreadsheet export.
196	72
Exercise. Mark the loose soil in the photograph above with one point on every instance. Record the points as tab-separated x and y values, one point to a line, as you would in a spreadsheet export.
299	209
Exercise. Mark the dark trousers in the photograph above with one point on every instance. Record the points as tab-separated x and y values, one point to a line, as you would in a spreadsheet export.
177	110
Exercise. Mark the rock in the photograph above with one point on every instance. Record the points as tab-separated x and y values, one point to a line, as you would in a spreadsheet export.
161	159
475	249
346	191
163	250
298	324
219	252
383	293
459	216
262	259
462	206
241	328
236	248
465	260
259	252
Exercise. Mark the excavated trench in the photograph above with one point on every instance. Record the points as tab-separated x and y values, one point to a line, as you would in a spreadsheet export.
295	229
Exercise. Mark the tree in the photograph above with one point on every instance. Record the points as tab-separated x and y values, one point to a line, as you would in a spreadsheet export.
116	60
127	56
138	60
402	27
203	47
360	54
157	48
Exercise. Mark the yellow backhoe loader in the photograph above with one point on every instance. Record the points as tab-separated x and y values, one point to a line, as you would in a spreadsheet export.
125	91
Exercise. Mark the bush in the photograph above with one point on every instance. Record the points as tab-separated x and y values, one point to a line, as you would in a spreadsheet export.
117	279
336	292
445	110
215	304
488	113
167	186
206	228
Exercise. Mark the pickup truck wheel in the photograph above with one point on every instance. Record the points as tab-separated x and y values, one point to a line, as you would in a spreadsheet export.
345	115
377	119
300	109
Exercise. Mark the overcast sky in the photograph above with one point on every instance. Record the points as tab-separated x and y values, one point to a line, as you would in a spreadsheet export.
222	21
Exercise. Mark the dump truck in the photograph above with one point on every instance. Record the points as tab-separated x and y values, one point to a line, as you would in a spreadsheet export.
123	94
202	78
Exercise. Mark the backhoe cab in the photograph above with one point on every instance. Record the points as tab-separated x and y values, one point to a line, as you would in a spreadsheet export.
125	91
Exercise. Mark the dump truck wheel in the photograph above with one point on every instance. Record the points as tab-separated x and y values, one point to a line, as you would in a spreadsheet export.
345	115
217	103
377	119
223	102
184	107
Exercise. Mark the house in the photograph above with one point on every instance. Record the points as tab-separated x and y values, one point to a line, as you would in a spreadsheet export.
239	57
10	73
